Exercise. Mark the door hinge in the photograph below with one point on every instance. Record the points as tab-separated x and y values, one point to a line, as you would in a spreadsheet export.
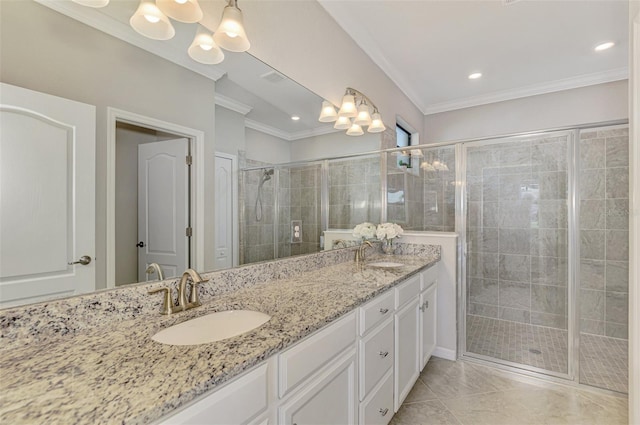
189	232
189	159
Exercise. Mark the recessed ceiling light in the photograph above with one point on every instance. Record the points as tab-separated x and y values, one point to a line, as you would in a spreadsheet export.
604	46
475	75
295	118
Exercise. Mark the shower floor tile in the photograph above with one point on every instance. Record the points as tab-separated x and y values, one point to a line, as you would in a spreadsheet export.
603	360
537	346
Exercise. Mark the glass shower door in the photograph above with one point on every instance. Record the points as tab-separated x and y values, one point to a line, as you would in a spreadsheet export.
516	235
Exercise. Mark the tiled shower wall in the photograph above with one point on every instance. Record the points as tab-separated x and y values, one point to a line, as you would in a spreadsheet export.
304	204
354	192
440	191
604	231
517	231
256	237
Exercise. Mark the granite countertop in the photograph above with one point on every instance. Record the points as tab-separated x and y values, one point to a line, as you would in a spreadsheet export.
119	374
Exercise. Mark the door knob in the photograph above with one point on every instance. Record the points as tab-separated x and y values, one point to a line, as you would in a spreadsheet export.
140	244
84	260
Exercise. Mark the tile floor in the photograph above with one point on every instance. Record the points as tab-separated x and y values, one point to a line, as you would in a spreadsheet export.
465	393
603	360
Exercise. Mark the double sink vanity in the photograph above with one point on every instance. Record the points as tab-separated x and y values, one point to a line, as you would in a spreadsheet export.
318	339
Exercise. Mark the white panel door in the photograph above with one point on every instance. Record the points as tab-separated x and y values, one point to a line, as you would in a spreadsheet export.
163	198
47	200
224	220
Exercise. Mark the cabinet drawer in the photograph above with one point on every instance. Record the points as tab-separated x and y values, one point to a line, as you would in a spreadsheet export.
235	403
377	409
303	359
407	291
376	356
376	311
429	277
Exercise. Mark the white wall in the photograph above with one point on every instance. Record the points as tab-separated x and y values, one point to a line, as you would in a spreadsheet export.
267	148
45	51
603	102
333	144
302	41
229	133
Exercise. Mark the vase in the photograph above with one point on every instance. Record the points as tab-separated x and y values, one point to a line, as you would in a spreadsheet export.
387	246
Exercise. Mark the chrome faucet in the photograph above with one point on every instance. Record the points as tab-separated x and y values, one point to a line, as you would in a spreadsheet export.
361	251
155	268
168	306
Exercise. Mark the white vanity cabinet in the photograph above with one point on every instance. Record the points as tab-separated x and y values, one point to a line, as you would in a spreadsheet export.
428	312
407	339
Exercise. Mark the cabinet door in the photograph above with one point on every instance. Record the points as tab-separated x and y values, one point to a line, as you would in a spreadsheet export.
329	399
407	338
427	324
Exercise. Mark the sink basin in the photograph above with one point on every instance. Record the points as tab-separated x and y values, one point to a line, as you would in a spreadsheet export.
385	264
212	327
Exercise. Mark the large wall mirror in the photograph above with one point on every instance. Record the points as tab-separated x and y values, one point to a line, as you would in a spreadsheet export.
153	107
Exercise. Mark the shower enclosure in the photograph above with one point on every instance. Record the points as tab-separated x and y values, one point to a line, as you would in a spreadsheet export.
542	224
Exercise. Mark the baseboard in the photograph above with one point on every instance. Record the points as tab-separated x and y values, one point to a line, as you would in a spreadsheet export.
445	353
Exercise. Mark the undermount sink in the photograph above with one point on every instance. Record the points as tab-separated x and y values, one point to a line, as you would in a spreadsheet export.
212	327
385	264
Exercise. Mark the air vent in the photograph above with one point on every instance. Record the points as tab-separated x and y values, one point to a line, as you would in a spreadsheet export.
273	76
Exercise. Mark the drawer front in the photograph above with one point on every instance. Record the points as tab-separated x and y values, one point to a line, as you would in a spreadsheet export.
376	356
377	409
429	277
376	311
407	291
303	359
236	403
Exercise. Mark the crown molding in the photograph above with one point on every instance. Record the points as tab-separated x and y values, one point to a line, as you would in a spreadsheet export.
532	90
289	137
267	129
232	104
313	132
117	29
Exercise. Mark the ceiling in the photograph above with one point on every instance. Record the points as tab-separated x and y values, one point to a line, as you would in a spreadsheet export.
522	48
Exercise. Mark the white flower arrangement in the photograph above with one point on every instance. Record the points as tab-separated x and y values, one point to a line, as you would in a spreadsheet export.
364	231
388	231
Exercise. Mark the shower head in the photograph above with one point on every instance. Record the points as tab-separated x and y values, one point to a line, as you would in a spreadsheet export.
266	176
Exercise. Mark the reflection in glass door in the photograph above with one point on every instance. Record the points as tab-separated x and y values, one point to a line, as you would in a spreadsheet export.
517	251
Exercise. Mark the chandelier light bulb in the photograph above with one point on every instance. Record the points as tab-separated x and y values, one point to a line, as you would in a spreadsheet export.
355	130
363	118
151	22
181	10
342	123
348	107
377	126
230	34
203	49
328	112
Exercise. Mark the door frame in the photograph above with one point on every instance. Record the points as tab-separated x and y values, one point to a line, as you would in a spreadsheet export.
115	115
235	238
